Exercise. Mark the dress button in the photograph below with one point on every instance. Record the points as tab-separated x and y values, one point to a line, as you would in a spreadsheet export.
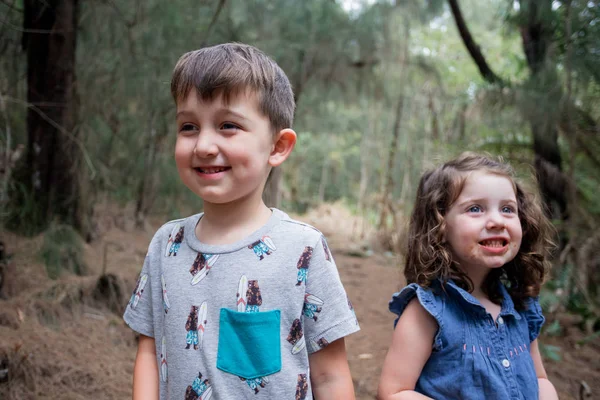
506	363
500	321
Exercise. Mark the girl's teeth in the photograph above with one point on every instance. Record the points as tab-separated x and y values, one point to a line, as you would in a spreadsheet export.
493	243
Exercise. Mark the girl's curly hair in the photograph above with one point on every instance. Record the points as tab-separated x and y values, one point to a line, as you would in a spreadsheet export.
429	257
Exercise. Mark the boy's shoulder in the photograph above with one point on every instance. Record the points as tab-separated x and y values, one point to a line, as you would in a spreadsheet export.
302	229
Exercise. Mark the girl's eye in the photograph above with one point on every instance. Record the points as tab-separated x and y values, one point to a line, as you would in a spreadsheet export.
475	209
508	210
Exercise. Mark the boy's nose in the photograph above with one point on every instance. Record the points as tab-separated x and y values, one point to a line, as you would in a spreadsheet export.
206	145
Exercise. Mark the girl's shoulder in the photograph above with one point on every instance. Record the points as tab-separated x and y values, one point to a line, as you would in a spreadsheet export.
534	316
432	300
429	298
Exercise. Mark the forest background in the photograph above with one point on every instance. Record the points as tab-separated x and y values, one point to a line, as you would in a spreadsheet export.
384	90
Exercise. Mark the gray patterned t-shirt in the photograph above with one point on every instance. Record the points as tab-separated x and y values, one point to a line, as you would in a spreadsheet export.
238	321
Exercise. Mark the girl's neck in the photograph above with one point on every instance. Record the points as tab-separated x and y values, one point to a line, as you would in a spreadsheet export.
229	223
478	278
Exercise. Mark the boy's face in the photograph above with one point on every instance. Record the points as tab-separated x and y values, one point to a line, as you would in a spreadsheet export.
223	150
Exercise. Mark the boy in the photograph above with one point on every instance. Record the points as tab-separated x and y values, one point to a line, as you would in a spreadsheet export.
239	302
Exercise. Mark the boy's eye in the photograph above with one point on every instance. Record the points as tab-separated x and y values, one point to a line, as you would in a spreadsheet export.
229	126
187	127
475	209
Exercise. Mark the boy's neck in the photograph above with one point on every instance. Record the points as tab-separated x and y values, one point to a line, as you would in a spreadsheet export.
229	223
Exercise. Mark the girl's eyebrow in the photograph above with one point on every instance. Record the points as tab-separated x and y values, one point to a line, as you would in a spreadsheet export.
484	199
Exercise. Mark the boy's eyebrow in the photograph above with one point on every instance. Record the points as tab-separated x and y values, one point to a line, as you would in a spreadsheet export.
228	111
222	111
184	112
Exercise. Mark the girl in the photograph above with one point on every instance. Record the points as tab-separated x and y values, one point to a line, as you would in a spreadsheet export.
469	319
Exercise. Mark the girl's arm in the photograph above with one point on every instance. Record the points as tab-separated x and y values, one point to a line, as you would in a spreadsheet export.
329	373
547	390
410	349
145	371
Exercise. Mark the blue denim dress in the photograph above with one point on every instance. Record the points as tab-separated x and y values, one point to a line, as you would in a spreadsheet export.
473	357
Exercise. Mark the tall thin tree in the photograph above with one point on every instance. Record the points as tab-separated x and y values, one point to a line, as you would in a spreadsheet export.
48	178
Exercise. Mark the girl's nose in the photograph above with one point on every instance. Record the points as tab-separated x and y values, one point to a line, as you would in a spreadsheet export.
495	221
206	145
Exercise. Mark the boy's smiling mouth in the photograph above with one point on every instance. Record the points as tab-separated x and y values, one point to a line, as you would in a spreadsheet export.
211	170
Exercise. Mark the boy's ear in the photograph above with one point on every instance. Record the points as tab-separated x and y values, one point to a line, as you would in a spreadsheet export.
283	144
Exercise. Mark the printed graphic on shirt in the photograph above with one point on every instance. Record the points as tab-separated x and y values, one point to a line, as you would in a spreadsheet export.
138	291
296	337
201	266
301	387
312	306
485	350
249	300
163	359
263	247
253	297
240	296
195	325
255	383
322	342
328	256
303	264
199	390
165	298
351	309
174	242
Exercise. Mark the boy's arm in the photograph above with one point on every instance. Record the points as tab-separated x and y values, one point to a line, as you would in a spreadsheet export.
410	349
547	390
145	371
330	374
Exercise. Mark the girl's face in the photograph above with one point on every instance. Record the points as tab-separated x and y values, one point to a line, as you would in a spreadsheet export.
482	226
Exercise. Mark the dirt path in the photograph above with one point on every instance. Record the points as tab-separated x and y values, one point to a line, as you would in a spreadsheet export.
370	283
60	344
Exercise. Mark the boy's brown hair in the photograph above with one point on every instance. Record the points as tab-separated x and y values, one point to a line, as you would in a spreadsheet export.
231	69
429	257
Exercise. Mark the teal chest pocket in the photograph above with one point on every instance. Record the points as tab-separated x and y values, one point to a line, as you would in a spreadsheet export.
249	343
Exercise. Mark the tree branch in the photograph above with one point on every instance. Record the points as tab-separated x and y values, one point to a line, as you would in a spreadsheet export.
472	46
212	22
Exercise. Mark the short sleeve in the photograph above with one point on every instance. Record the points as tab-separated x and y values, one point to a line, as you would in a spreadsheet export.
138	314
535	318
427	300
327	313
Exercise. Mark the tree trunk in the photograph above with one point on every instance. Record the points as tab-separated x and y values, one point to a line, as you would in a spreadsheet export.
142	205
536	35
323	181
50	172
435	127
389	172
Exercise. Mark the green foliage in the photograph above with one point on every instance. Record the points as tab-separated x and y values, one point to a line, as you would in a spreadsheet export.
553	329
348	68
22	215
62	251
550	352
